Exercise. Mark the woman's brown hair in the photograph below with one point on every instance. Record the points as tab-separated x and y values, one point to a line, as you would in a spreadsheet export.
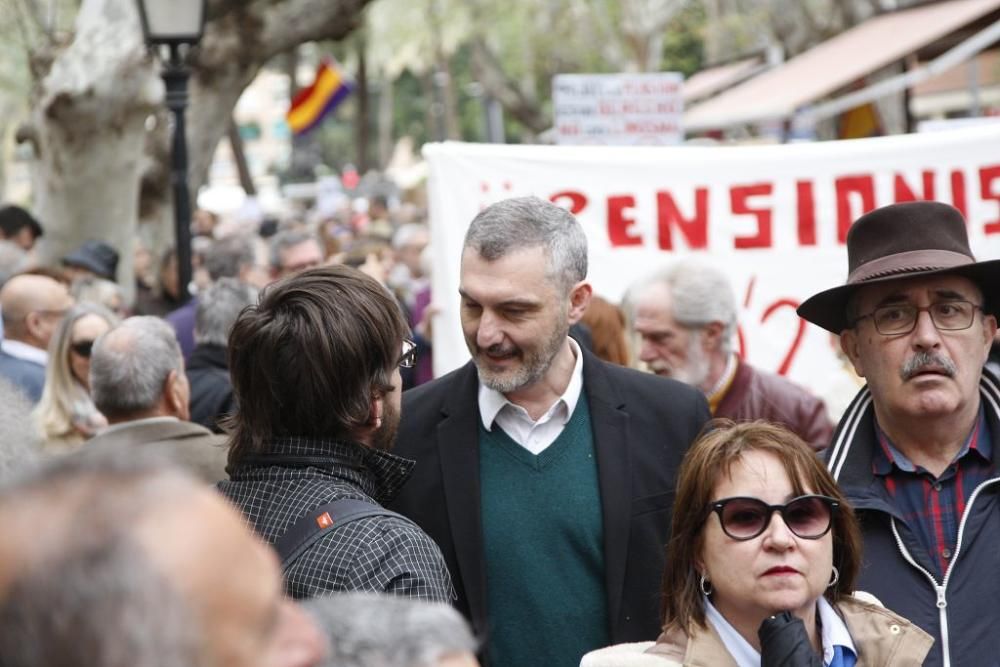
722	445
606	322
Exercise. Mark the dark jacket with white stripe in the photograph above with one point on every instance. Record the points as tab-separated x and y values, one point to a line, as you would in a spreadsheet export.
962	610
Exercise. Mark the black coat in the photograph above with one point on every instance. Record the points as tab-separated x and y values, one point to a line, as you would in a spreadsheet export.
642	426
211	388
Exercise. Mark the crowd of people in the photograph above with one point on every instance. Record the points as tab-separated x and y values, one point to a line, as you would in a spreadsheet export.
269	474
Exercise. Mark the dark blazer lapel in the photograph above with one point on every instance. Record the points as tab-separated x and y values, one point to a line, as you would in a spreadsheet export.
458	447
610	423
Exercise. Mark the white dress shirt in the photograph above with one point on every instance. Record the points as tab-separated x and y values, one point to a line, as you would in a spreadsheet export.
535	436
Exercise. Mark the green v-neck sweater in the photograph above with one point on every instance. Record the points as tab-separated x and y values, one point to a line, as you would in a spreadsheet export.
543	540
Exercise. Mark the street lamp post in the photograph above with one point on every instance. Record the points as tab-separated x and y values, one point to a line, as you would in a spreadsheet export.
178	25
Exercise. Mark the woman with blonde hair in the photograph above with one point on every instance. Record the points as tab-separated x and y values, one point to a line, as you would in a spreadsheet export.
761	566
66	416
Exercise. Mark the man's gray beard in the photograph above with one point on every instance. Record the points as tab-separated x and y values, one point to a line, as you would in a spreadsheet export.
695	371
531	370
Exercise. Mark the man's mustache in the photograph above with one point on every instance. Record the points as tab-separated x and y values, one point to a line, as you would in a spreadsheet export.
921	361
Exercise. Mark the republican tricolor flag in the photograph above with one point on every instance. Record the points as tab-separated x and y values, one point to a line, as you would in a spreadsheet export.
312	104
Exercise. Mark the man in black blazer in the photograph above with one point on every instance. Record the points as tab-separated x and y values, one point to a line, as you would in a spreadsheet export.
545	475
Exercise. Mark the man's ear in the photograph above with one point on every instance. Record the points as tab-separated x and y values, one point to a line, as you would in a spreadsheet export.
375	411
850	347
989	331
711	336
176	397
33	324
579	299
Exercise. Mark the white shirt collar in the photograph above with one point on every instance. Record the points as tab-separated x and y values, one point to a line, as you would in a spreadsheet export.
834	633
491	402
834	630
16	348
739	648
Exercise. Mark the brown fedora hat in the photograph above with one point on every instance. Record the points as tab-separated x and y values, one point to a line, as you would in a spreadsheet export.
919	238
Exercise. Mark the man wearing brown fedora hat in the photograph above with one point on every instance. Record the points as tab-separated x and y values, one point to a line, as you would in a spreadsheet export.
914	451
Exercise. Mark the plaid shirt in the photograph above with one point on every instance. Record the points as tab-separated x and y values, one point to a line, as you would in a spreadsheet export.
933	506
379	553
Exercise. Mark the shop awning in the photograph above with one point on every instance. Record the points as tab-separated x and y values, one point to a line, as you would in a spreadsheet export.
834	64
711	80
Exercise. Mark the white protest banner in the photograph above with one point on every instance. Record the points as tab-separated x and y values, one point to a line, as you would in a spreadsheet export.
774	217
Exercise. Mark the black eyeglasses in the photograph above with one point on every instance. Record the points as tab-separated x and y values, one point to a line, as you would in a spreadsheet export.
808	517
82	348
409	356
898	319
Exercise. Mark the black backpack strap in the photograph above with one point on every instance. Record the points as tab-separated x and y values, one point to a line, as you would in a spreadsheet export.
318	522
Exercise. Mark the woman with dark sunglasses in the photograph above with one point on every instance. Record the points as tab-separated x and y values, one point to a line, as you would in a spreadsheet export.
66	416
761	565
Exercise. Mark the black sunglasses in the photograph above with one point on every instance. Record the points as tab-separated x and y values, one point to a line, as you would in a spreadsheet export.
809	517
82	348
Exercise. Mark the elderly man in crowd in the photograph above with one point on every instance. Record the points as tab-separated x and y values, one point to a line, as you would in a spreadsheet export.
315	370
108	562
370	630
32	307
915	450
232	257
686	317
545	474
137	381
208	369
293	251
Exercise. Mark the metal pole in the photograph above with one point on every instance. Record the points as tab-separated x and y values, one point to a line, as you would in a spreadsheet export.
175	75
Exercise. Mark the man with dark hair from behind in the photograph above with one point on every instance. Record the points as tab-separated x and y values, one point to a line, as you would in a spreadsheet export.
372	630
19	226
112	562
315	370
207	368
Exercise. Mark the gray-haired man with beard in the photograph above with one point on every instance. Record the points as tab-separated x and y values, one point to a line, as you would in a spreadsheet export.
915	449
315	370
545	474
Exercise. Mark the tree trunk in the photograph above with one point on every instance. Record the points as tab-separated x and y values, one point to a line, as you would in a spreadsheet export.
87	121
511	96
240	158
89	112
361	121
385	108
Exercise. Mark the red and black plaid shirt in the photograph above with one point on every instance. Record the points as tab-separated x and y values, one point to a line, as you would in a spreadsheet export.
933	506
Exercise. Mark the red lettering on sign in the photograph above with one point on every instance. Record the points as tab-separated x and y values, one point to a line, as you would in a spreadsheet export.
577	200
958	199
806	205
694	229
987	175
738	197
618	224
903	192
848	188
786	363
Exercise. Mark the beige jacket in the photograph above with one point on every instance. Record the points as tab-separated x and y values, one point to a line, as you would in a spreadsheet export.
190	446
883	639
